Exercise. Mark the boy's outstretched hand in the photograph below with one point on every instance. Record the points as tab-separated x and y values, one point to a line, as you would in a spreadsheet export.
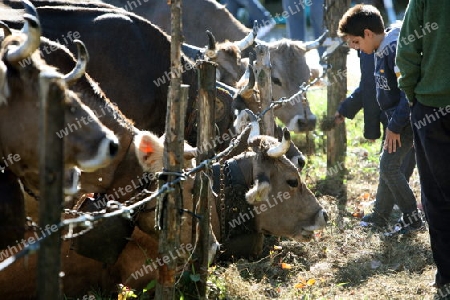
391	140
338	118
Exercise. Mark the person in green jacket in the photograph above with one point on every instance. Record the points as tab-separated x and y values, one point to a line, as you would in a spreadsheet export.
423	57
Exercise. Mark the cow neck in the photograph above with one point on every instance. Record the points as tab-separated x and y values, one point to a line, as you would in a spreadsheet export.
111	117
237	181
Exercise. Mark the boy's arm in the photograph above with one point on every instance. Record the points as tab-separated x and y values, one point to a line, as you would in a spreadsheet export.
400	117
409	50
352	104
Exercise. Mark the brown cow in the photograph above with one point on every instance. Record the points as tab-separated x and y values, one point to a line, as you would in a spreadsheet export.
260	186
261	193
216	18
135	267
90	146
289	66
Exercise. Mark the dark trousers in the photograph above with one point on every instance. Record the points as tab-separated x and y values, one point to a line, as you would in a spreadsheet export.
393	186
432	143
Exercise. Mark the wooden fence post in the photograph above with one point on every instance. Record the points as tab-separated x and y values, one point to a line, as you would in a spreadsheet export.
263	70
337	91
51	170
206	136
169	216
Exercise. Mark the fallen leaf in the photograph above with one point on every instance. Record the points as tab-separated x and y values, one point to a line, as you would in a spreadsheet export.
358	214
311	282
300	285
286	266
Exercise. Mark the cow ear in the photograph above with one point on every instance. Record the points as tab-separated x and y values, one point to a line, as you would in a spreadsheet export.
149	151
260	191
189	152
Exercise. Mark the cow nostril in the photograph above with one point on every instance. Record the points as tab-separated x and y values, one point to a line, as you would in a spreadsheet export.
325	216
113	148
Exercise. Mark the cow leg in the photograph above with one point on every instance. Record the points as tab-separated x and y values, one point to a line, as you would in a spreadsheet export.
12	210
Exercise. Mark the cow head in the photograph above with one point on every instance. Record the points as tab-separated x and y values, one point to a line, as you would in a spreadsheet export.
227	55
289	71
247	102
282	203
88	144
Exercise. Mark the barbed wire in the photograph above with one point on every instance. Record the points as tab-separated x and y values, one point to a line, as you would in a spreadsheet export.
87	220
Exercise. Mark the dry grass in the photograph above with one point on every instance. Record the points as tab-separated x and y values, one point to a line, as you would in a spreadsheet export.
345	261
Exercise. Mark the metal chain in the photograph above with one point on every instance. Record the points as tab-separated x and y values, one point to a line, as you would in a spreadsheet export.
139	196
222	201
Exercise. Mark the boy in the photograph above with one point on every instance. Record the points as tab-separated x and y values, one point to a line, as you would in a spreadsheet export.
363	28
364	97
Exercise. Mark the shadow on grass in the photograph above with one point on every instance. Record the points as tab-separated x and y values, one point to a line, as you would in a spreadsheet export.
399	253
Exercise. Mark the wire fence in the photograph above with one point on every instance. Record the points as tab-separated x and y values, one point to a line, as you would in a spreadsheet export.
87	220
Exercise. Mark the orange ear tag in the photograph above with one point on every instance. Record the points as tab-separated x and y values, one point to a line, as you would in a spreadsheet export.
146	147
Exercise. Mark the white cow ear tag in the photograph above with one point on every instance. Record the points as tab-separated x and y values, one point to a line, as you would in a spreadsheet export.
258	192
4	89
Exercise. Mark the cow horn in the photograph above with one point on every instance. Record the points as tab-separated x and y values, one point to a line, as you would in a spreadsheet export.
250	75
80	68
211	51
283	147
249	39
254	123
32	29
211	40
6	29
317	43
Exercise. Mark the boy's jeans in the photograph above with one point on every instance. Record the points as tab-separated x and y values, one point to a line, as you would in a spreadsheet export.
393	186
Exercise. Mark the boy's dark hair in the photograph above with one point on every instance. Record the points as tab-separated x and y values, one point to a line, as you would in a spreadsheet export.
358	18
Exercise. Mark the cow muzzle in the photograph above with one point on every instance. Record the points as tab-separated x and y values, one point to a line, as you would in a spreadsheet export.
107	150
300	124
320	221
307	125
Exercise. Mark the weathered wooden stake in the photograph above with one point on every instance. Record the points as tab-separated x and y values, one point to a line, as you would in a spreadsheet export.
51	169
263	71
337	90
170	218
206	136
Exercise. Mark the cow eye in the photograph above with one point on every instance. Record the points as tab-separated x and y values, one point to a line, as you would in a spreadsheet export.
276	81
292	183
72	108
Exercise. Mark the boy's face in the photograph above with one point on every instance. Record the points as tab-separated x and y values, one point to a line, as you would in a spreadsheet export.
367	44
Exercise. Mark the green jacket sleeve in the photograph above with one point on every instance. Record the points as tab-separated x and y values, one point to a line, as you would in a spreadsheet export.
409	49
